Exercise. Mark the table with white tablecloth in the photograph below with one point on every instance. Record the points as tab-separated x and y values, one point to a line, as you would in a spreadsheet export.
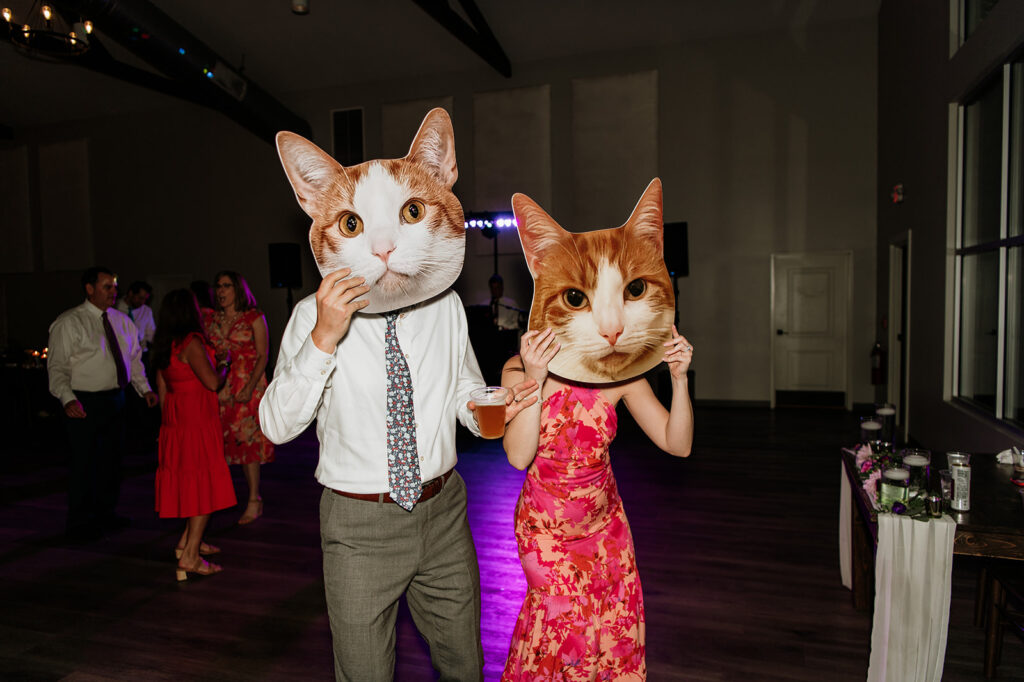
913	570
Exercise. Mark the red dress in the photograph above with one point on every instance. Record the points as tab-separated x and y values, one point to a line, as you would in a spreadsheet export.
583	615
192	478
244	442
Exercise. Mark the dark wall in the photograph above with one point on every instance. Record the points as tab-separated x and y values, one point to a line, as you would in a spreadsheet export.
175	195
918	84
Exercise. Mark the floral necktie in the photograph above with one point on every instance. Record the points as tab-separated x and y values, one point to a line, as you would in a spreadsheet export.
403	459
115	352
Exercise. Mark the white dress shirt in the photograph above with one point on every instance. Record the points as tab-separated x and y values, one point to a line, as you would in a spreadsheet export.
346	392
79	357
143	319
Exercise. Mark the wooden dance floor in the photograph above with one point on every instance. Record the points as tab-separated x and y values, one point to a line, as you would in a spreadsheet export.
737	549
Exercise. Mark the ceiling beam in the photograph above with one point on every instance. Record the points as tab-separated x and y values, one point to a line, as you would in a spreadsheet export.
475	34
192	70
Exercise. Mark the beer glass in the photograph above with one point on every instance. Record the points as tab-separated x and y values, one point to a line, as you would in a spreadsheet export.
490	410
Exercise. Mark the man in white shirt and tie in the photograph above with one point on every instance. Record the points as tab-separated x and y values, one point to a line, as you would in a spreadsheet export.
134	305
386	370
94	353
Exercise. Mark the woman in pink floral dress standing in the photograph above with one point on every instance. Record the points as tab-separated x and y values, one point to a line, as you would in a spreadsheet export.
236	325
583	615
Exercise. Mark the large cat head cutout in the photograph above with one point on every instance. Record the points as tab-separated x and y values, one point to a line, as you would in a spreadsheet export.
394	222
606	294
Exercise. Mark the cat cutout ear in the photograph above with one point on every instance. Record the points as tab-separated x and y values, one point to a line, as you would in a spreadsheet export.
434	147
541	236
310	169
647	219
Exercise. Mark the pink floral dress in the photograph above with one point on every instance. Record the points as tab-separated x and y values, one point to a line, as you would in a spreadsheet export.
244	442
583	615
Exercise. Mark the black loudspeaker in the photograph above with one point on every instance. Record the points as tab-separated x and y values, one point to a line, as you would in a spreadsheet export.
285	266
677	250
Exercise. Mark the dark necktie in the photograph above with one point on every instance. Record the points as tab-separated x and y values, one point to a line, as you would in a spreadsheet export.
115	351
403	459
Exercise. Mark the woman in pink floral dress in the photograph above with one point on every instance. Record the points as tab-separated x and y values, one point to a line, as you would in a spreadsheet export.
583	615
238	326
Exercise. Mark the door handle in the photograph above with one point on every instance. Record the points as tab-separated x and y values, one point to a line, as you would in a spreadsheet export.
779	332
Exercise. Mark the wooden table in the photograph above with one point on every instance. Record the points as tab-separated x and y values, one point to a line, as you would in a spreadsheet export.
993	529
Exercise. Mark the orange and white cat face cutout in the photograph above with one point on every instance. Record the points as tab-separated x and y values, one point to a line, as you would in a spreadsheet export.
393	222
607	294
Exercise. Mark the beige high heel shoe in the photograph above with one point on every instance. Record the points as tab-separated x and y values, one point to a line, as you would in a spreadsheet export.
201	567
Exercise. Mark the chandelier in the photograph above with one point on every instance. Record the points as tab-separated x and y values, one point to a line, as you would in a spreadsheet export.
42	33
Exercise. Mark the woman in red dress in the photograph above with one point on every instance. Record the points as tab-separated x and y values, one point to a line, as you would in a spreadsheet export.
192	479
238	327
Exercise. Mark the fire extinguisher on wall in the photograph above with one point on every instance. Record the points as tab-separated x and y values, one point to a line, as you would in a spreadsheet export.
878	365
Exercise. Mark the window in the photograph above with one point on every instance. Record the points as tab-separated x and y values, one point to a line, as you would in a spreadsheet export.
990	248
974	11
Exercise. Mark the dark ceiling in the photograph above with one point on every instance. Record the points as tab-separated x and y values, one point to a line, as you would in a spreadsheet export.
341	43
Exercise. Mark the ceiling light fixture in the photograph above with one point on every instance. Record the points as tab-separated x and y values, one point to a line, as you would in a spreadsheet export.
42	33
300	6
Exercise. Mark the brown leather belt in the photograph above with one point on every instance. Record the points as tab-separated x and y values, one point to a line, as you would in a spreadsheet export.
430	488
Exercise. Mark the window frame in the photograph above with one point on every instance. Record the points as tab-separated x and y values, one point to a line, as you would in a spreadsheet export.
1001	246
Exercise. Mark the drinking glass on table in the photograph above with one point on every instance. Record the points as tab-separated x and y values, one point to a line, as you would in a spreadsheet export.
894	486
946	483
917	462
886	414
490	410
870	429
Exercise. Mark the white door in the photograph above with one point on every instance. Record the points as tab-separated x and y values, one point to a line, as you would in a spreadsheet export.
899	308
810	322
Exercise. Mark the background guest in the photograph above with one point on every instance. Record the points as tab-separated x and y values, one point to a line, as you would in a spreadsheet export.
238	327
134	305
192	479
504	310
496	341
143	423
94	354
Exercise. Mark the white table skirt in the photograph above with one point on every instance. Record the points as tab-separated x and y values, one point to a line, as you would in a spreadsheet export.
913	581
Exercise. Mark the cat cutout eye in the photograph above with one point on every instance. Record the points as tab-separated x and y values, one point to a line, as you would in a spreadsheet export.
606	293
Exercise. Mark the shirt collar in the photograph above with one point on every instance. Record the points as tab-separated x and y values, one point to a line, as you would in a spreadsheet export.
93	308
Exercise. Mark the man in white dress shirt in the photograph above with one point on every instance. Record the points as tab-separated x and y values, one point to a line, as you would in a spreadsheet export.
88	375
385	388
143	423
134	305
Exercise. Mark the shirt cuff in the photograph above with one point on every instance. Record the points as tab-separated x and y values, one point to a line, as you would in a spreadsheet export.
313	363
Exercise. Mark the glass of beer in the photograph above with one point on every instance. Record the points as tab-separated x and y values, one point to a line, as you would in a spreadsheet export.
490	410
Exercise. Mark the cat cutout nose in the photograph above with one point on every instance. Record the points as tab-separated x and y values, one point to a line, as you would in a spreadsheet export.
384	253
612	337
